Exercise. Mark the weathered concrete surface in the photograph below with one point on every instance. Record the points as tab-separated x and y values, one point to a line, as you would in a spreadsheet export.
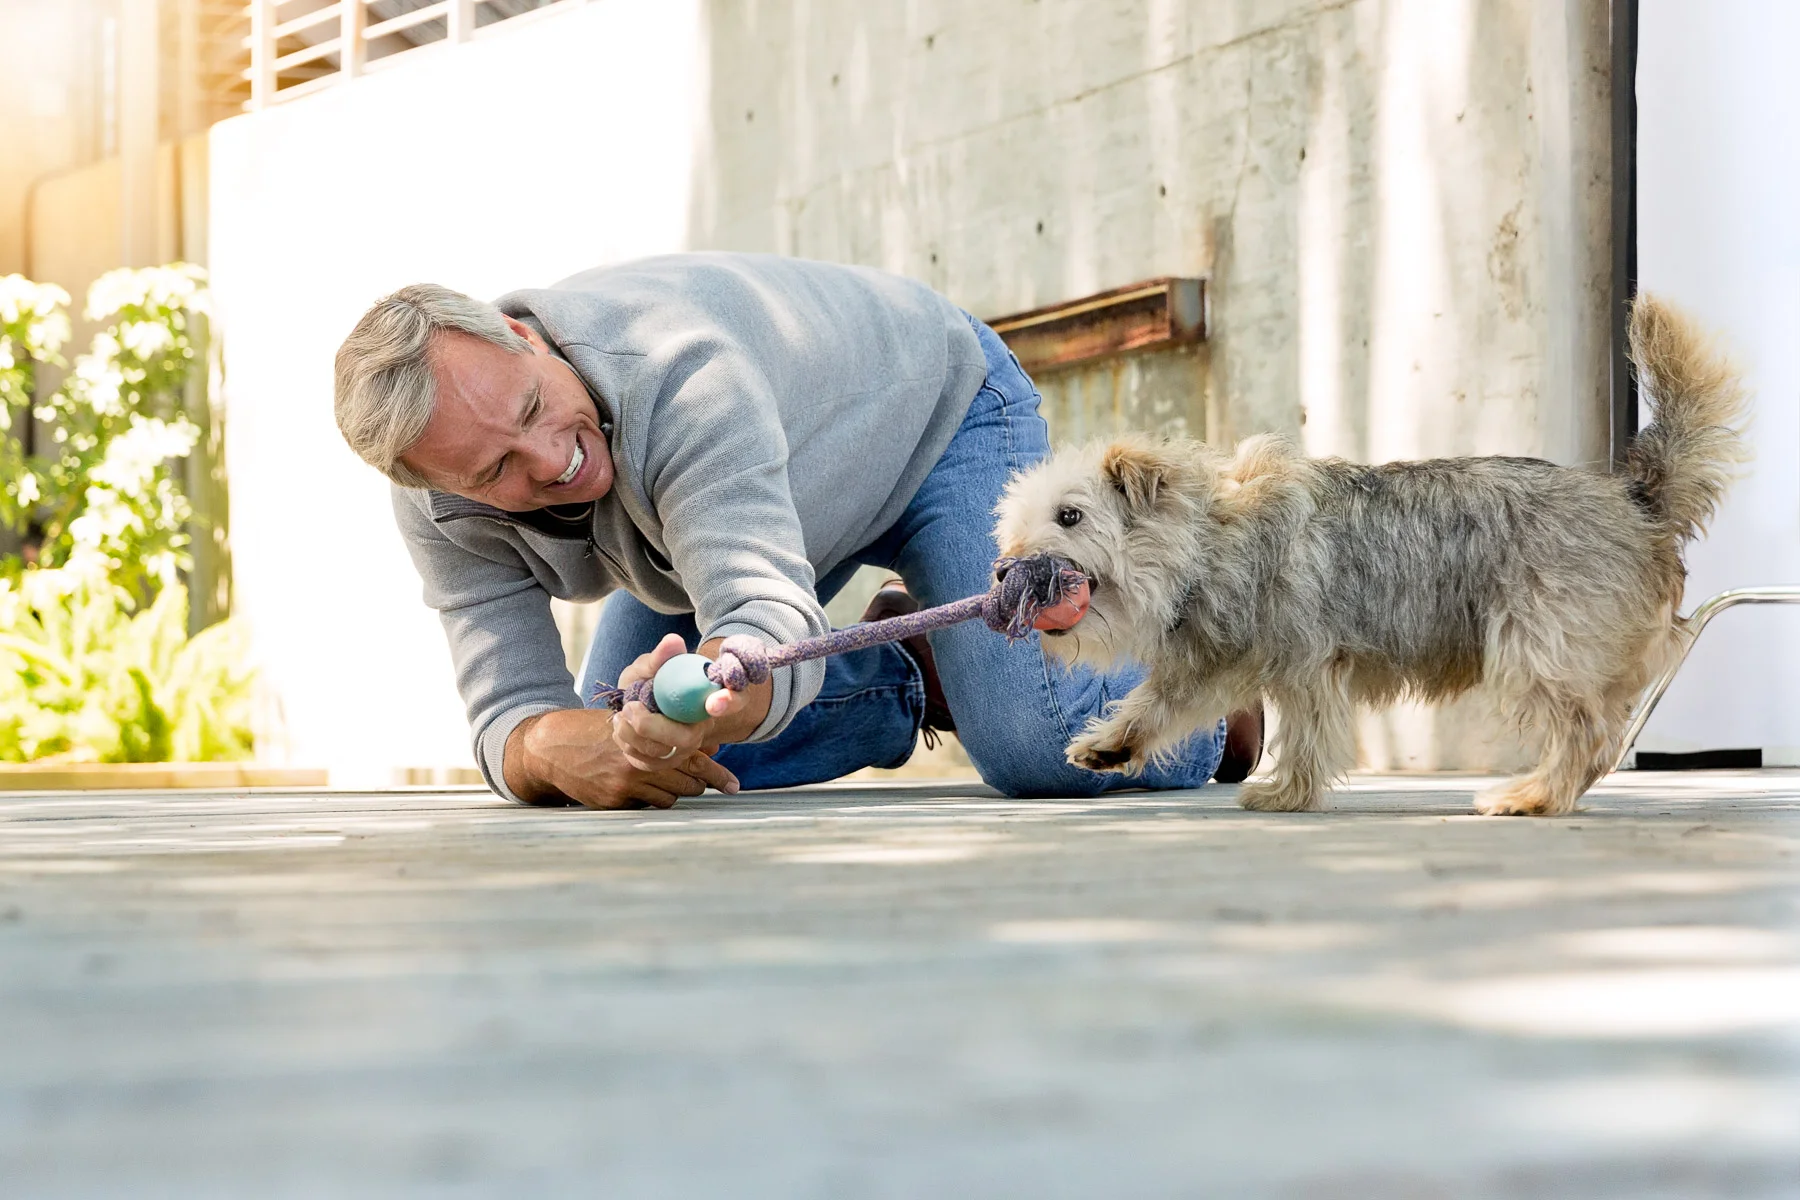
858	991
1403	207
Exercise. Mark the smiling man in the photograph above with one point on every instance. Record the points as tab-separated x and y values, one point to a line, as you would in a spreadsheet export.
717	441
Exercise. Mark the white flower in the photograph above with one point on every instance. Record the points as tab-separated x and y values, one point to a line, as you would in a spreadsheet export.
177	286
27	489
163	566
113	291
17	295
48	332
133	456
34	311
105	520
98	381
146	339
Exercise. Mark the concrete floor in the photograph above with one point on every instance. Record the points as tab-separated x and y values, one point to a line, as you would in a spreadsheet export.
904	991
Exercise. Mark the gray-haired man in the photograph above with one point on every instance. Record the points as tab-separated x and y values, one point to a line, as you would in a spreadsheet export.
718	441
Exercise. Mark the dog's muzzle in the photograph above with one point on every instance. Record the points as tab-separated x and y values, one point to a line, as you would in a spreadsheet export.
1040	592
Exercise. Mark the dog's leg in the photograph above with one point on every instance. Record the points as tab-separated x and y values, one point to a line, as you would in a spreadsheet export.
1154	718
1581	736
1616	707
1314	745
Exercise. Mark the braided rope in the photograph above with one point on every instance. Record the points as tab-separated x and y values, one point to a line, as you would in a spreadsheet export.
1023	589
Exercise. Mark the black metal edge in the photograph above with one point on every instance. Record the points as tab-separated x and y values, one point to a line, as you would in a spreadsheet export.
1623	407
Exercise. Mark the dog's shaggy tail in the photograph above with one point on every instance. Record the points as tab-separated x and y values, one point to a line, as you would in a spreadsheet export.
1685	458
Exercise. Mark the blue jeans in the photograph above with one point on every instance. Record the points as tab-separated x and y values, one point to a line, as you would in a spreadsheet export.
1015	709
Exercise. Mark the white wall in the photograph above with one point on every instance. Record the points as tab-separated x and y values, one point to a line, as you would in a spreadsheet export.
574	150
1719	190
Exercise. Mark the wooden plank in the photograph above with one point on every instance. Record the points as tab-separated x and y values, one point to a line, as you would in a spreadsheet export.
1150	315
62	777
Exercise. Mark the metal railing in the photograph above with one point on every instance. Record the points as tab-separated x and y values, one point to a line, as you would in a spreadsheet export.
299	46
1696	622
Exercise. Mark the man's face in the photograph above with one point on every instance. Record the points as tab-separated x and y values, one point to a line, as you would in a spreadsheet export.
517	431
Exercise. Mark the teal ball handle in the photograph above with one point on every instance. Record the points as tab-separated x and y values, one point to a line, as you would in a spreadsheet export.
681	688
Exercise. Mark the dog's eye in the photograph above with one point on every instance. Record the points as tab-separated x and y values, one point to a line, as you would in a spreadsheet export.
1068	517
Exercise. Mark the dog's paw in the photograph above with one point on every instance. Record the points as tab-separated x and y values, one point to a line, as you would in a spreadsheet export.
1522	798
1105	747
1271	795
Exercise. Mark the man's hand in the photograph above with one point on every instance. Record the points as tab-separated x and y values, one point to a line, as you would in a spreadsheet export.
571	754
649	740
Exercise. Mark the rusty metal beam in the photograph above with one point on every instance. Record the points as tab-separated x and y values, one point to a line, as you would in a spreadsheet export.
1151	315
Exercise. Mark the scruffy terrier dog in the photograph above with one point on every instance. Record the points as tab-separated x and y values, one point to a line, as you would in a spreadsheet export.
1321	584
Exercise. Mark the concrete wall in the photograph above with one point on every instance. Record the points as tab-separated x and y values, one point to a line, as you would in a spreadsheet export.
1400	203
1402	206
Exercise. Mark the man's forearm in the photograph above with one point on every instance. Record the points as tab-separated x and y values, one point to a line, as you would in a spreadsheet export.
570	754
524	777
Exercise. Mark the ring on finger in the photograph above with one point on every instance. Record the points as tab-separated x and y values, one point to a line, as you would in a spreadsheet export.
672	751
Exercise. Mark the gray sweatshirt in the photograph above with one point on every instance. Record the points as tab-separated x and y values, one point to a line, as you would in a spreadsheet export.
771	416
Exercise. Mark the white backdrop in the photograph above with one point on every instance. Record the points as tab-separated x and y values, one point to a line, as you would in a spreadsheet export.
1719	234
510	161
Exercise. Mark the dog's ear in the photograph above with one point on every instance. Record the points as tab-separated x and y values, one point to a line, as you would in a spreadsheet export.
1138	470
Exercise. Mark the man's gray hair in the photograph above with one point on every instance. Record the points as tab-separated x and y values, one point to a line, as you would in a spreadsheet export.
386	388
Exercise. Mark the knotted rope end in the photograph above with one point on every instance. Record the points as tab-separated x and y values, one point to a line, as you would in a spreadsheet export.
1025	587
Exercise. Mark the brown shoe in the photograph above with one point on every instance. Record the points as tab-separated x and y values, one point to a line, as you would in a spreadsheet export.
1243	745
893	600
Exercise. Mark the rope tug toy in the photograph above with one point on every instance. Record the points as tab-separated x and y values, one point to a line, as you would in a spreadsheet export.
1040	592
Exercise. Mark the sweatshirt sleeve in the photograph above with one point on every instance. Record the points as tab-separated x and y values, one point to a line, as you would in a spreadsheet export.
503	639
716	473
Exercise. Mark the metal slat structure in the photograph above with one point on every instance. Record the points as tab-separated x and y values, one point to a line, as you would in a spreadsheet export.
295	47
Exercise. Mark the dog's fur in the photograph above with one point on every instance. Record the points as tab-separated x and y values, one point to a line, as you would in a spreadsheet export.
1320	584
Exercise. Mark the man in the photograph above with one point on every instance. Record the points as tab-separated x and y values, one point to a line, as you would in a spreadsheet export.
718	441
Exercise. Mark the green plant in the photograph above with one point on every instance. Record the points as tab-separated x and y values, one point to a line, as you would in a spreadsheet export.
34	324
86	675
95	660
116	430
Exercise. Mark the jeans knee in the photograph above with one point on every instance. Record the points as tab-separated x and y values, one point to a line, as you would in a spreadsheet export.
1028	765
1071	783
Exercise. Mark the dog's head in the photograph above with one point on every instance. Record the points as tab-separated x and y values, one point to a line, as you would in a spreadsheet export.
1129	515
